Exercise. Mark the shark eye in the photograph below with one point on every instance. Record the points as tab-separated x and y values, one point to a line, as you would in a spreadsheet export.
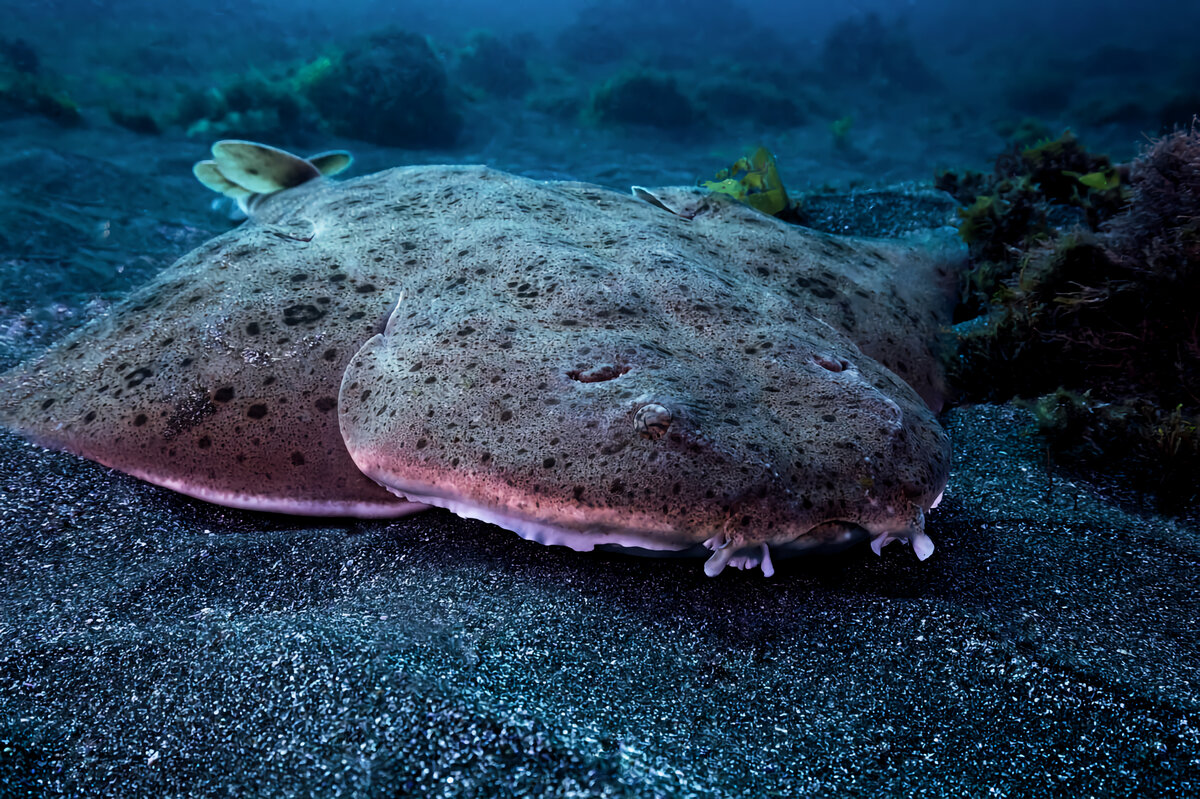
651	421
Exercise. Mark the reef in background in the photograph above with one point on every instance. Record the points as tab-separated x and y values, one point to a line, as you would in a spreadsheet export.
1081	300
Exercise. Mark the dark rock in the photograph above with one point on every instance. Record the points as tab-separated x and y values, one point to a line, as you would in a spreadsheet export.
391	89
645	98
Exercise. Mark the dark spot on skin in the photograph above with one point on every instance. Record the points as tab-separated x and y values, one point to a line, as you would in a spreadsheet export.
137	377
330	354
189	412
299	277
829	417
617	487
91	416
252	328
256	411
365	288
325	404
139	420
422	443
366	393
204	443
301	314
46	405
223	394
505	416
416	367
548	463
297	459
268	380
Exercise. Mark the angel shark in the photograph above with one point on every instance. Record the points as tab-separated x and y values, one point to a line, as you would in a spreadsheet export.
667	370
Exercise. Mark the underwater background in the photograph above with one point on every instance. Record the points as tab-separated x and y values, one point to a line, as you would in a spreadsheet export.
153	645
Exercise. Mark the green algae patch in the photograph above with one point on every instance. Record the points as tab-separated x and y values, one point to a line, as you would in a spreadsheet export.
27	94
754	180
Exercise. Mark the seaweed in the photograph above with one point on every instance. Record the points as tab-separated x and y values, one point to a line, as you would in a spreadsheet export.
22	93
754	180
1026	132
1033	192
248	106
1058	168
1088	321
644	97
840	128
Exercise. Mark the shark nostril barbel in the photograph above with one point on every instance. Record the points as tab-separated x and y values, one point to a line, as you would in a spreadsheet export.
651	421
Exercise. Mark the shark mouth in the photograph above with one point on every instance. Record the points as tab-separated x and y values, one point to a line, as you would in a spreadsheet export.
721	551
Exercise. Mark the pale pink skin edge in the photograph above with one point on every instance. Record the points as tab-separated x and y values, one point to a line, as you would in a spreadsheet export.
580	541
358	510
546	534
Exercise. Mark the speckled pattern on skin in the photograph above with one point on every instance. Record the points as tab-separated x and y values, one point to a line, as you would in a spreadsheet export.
539	325
220	376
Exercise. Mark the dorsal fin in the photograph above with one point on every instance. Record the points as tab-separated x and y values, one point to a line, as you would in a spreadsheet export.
685	201
261	169
332	162
208	173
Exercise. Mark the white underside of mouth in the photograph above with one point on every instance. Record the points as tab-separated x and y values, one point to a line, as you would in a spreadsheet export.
542	533
750	556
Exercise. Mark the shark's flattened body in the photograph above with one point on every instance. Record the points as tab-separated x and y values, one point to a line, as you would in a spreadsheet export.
668	372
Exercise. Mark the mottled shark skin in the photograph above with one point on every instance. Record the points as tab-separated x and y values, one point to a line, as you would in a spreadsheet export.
666	370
